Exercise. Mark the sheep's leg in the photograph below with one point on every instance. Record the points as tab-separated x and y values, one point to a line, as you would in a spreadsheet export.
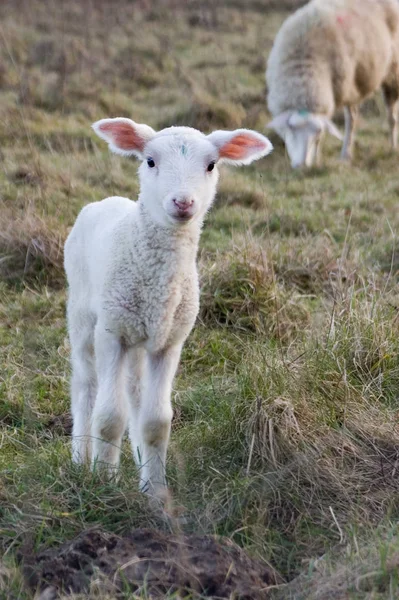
391	97
351	113
135	364
83	388
156	417
110	409
316	151
393	124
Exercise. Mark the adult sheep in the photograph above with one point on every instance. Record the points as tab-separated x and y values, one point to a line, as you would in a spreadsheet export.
133	289
331	54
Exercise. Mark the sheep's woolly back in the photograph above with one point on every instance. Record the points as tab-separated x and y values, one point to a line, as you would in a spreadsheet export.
330	53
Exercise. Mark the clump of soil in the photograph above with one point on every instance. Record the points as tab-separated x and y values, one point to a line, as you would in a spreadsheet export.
152	560
60	424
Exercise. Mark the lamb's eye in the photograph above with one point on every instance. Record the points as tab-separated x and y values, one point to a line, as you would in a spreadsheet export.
150	163
210	166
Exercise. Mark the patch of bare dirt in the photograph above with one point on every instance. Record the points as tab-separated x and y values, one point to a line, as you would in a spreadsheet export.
60	424
152	560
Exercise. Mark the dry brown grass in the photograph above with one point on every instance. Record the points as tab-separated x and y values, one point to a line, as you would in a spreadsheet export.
31	247
264	287
368	572
240	290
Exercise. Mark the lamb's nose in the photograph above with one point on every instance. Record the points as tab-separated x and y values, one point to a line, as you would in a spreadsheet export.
183	203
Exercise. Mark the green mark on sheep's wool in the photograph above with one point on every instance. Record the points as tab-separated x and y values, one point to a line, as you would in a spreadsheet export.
303	113
183	149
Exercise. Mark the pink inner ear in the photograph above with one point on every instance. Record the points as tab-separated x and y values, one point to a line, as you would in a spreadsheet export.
123	135
240	146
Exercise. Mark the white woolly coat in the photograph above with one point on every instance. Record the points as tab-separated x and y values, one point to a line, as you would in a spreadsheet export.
139	279
332	53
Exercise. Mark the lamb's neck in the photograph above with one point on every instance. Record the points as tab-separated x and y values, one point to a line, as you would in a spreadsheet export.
160	243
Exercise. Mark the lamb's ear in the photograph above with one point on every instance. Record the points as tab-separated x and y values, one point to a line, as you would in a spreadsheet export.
331	128
124	136
240	147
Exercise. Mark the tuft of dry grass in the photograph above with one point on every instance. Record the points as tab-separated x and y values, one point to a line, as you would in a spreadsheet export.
31	248
239	290
368	569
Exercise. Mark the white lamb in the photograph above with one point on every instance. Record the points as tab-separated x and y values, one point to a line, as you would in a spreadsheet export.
133	289
327	55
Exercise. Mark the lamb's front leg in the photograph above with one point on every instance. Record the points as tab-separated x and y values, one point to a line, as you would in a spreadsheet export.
110	408
156	417
135	366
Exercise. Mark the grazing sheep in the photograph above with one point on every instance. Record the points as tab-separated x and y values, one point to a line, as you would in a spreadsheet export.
327	55
133	289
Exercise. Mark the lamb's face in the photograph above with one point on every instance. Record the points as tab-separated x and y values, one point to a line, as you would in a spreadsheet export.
178	174
301	132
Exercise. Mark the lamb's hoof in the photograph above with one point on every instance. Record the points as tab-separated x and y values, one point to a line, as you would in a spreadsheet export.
159	491
159	498
81	457
105	472
164	506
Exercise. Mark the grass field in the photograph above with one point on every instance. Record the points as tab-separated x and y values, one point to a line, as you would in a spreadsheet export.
286	428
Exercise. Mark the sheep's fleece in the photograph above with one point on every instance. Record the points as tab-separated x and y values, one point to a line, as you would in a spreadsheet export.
331	54
134	293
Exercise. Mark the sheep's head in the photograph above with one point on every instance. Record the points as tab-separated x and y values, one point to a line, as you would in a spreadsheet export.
178	173
301	132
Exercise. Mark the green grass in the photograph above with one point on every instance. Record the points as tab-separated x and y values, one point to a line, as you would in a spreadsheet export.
285	435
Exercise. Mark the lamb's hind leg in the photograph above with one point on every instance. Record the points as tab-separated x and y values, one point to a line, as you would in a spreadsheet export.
110	408
391	97
351	113
83	384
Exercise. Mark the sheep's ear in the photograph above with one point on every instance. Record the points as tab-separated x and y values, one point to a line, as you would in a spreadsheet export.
124	136
280	122
240	147
331	128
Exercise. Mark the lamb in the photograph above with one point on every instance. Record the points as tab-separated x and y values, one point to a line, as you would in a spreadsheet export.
134	292
331	54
